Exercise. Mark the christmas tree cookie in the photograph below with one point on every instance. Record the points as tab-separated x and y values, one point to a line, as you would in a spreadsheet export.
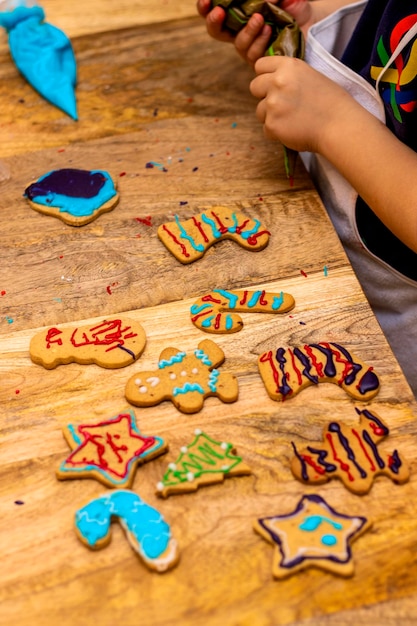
204	462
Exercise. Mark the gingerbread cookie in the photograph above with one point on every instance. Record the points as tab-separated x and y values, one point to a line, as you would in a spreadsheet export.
313	535
204	462
146	530
189	240
109	451
350	454
287	371
76	196
216	312
111	343
184	379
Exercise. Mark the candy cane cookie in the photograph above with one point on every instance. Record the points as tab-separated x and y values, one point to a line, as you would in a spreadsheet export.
286	371
217	311
146	530
189	240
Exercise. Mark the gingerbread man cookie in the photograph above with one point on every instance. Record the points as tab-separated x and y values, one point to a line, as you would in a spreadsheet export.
146	530
76	196
350	454
184	379
109	450
313	535
203	462
217	311
287	371
190	239
111	343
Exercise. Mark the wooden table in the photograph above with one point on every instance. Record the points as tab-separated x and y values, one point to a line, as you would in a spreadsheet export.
154	87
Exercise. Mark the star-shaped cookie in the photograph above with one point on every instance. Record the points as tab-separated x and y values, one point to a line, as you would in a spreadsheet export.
109	450
313	535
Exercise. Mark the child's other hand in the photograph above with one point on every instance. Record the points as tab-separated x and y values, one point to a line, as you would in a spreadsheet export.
298	105
250	42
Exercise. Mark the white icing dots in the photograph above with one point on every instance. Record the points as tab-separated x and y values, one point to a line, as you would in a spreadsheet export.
194	370
190	477
224	445
138	381
172	376
143	389
184	449
172	466
224	468
198	432
184	373
160	486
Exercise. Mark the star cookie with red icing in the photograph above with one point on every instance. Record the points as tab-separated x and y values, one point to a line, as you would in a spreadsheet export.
108	451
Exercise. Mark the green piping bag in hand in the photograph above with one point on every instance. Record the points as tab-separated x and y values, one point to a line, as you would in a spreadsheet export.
286	38
43	54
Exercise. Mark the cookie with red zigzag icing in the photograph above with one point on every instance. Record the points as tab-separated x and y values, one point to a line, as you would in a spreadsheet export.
286	371
110	343
189	240
217	311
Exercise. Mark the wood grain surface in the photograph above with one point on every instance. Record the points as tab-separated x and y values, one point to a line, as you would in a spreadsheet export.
157	89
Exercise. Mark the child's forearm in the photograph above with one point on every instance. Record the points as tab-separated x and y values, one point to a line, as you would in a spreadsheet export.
381	169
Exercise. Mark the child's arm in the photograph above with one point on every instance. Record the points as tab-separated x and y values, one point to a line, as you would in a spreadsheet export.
305	110
252	41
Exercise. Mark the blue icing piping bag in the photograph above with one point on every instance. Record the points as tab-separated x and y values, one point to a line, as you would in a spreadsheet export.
42	53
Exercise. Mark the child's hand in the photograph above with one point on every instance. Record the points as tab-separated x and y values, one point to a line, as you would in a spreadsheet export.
250	42
298	105
214	21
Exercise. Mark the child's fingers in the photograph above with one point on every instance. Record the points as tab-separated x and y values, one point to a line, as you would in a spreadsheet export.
251	41
214	24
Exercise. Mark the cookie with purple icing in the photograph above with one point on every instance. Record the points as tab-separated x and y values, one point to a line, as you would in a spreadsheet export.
75	196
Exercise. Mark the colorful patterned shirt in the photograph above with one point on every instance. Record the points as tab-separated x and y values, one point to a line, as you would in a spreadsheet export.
381	28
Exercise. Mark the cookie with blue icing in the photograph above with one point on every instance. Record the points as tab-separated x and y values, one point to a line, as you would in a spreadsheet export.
75	196
146	530
188	240
185	379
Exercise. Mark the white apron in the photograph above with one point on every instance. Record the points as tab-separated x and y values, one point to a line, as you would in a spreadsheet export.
392	295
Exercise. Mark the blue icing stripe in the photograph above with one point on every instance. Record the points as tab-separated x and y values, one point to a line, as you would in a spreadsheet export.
212	381
142	521
232	229
200	354
177	358
212	224
44	56
207	322
197	309
74	434
277	301
254	299
248	233
229	322
184	235
231	297
186	388
58	188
